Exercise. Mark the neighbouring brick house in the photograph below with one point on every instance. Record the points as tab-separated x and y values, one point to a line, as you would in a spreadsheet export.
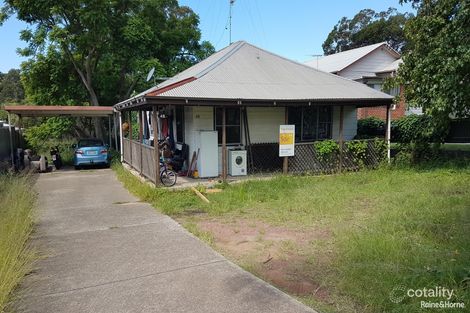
370	65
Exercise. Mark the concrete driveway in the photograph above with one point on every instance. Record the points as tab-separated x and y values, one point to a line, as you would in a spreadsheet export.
103	251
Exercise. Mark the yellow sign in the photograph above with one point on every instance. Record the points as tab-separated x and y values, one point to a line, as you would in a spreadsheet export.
286	140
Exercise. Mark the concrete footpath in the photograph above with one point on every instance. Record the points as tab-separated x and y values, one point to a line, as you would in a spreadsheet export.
103	251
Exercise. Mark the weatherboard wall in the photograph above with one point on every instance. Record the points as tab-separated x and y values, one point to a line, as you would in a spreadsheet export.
263	125
368	65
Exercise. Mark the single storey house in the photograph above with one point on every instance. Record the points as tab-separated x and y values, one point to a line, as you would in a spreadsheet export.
242	94
369	65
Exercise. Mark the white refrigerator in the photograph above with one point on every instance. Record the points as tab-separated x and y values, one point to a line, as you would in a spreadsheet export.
208	160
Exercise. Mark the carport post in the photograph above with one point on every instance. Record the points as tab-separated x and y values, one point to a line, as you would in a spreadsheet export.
341	139
121	149
11	142
115	122
155	145
109	131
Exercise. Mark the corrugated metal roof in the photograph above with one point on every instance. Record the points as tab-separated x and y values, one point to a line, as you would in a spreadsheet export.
243	71
336	62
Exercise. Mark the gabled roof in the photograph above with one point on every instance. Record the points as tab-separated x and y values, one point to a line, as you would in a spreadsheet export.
243	72
392	67
334	63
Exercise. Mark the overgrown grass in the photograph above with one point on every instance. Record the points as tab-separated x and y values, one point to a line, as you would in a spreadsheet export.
16	223
390	227
456	147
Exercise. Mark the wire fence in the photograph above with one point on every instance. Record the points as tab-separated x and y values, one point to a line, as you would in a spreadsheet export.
353	156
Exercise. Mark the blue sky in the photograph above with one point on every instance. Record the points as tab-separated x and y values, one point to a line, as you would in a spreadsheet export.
295	29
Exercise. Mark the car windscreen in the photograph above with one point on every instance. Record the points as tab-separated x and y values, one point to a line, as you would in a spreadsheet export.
90	143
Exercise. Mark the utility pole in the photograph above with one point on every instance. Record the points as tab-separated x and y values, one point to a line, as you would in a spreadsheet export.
230	21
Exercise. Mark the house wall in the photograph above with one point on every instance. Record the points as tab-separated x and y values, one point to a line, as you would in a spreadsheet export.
263	124
368	65
349	123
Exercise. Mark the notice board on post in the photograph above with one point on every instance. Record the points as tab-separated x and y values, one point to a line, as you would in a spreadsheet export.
286	140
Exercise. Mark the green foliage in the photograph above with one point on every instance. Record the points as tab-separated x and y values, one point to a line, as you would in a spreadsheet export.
416	134
101	51
11	89
368	27
108	47
51	132
380	147
326	149
51	79
416	128
358	148
370	127
16	205
435	69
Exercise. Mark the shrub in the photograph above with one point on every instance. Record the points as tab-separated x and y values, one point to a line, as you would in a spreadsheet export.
326	149
370	127
416	133
52	132
358	149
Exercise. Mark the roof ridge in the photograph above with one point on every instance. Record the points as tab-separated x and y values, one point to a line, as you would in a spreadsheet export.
236	46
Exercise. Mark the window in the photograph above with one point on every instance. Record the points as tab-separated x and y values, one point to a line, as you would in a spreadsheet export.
395	91
311	123
232	125
179	116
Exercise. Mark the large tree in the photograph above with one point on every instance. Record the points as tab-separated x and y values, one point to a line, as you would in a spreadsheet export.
11	89
109	44
436	70
368	27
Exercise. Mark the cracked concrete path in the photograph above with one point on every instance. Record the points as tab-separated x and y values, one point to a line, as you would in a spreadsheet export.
104	251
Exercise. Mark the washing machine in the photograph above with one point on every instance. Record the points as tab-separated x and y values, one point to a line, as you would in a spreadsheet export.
237	162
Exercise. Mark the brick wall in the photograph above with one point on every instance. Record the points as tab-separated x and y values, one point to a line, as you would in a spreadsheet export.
381	112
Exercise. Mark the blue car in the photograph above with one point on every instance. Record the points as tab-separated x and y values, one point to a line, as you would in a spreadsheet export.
90	152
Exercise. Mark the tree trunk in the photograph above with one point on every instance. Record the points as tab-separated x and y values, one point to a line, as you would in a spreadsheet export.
97	122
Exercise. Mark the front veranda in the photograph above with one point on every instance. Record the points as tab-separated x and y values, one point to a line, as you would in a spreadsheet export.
262	147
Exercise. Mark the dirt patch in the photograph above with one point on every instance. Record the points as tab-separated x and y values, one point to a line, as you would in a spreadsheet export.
275	253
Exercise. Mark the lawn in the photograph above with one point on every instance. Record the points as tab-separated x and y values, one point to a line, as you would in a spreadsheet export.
16	223
339	243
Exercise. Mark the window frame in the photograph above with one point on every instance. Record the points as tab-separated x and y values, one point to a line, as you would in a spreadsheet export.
229	125
301	137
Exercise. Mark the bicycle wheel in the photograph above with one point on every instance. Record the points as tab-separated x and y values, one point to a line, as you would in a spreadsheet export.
168	178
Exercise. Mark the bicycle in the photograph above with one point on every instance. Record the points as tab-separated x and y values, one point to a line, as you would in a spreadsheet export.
167	176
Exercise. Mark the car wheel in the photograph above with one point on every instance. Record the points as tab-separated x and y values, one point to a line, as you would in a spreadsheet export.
77	167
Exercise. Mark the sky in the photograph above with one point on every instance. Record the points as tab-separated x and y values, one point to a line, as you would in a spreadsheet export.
294	29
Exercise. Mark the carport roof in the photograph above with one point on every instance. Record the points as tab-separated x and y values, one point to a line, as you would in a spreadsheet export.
59	110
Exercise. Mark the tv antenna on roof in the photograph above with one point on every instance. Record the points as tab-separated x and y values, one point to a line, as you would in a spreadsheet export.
230	21
317	56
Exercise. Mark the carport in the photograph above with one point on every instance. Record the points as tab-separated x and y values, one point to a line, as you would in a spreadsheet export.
56	111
